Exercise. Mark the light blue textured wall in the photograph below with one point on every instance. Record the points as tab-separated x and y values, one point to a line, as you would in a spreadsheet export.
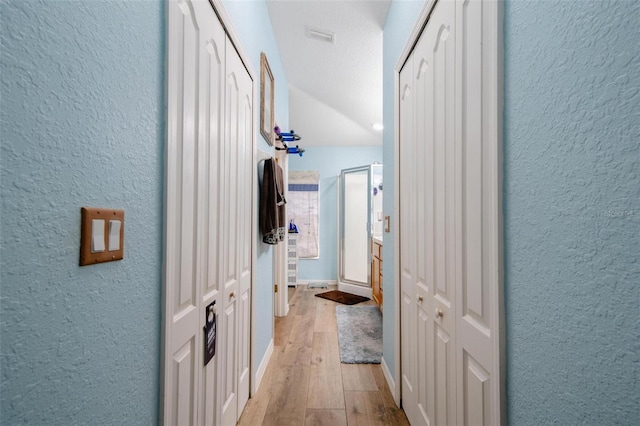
572	211
402	15
82	124
329	161
252	23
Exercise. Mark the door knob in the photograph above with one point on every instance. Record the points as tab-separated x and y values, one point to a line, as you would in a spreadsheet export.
232	295
438	313
420	298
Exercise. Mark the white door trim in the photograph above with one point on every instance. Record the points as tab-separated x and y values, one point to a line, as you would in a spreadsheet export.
280	254
492	18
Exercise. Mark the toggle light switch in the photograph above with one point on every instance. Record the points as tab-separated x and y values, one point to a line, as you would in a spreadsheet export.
98	242
114	235
97	235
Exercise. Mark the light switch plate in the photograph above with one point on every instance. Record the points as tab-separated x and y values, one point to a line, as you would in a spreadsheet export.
89	214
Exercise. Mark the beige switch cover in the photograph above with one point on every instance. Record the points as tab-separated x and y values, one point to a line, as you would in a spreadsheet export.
112	235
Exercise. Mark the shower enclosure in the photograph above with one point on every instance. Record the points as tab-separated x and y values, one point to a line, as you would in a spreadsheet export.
359	219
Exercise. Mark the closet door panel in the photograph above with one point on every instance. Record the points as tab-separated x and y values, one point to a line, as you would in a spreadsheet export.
425	279
408	324
479	394
450	218
237	237
440	38
436	47
244	144
231	241
210	141
182	341
208	219
427	209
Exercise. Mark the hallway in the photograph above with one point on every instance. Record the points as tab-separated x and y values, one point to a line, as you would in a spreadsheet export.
305	383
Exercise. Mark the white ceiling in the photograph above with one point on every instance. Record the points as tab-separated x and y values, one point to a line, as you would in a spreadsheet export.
335	89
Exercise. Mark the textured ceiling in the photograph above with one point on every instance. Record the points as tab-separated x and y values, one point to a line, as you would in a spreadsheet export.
335	89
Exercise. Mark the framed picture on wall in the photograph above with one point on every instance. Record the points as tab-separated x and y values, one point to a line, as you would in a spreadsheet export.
266	100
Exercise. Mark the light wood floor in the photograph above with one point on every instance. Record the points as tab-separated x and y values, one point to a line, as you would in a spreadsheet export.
305	383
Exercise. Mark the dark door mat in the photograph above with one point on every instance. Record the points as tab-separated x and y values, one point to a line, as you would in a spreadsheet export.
342	297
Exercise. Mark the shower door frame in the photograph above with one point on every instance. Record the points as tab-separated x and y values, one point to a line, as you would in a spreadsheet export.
345	284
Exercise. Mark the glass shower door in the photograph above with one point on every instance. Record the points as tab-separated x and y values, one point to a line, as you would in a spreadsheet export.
355	225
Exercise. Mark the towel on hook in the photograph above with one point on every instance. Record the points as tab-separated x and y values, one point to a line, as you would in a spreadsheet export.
272	201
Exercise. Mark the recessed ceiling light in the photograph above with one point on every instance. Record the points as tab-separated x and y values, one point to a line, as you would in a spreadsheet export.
377	126
322	35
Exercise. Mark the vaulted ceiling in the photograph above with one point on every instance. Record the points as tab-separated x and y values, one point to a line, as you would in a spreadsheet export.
335	86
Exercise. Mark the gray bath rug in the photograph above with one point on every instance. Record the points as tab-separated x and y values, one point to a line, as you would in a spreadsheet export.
359	334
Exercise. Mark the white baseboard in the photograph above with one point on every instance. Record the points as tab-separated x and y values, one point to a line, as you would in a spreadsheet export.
355	289
390	382
263	366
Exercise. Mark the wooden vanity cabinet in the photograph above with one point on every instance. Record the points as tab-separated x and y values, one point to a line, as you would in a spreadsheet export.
376	272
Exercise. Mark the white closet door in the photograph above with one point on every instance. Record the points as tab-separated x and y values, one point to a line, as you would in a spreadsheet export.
479	299
408	220
208	219
427	205
182	356
210	142
437	132
230	269
234	368
244	141
450	244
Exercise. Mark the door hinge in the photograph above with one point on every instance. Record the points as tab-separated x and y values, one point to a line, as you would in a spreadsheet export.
275	288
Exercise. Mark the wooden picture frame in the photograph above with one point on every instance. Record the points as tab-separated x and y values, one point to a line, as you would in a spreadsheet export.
266	100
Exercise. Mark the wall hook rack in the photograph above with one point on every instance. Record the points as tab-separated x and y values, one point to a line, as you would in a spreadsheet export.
291	150
285	137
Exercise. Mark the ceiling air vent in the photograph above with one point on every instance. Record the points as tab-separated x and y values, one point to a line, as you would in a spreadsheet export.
321	35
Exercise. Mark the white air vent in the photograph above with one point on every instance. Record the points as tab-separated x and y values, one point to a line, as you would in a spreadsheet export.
321	35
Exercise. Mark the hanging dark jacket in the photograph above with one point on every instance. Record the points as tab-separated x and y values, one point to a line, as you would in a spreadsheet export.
272	203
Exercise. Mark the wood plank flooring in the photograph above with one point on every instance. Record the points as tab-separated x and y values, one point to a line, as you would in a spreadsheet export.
305	383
